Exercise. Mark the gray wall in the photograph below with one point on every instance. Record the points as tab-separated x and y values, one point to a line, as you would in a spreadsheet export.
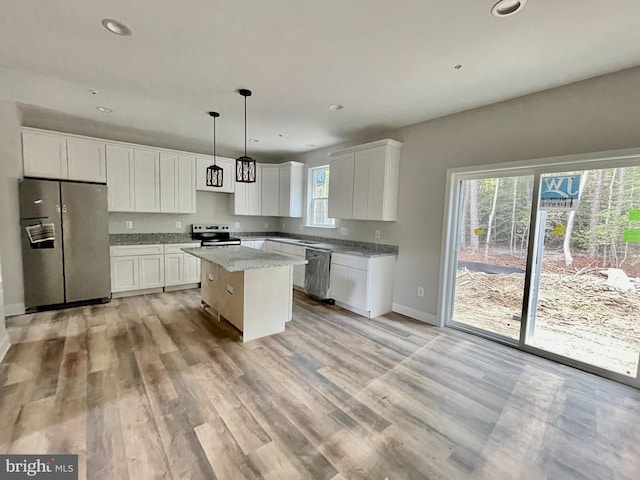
590	116
10	172
210	208
4	337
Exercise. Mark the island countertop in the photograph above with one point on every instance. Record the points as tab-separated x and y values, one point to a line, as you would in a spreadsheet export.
238	258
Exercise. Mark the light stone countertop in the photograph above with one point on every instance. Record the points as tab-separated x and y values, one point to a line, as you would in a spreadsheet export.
359	249
236	259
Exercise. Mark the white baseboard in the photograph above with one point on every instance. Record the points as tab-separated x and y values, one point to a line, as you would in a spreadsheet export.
14	309
185	286
4	345
416	314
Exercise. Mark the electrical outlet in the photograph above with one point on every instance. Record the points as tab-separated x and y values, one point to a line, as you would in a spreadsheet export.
284	225
420	292
344	231
377	233
237	225
178	224
128	224
266	224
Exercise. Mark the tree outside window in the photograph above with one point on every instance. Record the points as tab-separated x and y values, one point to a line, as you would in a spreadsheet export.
318	214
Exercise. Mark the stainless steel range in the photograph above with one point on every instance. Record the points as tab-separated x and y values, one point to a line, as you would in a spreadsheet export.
212	235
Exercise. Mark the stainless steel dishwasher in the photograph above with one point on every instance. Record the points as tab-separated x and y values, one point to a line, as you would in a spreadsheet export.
316	277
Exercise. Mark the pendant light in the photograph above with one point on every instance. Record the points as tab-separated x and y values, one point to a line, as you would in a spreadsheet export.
245	166
214	172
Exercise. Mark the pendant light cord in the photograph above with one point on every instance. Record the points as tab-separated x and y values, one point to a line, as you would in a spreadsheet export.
214	141
245	126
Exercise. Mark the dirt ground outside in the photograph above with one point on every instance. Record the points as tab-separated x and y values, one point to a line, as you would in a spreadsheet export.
578	314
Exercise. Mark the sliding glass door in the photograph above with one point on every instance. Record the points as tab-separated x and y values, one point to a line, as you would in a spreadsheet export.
585	300
548	260
491	254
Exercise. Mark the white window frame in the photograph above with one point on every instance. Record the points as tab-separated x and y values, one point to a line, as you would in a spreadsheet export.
311	199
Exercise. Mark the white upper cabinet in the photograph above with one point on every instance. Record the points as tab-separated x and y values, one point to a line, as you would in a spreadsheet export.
146	180
228	174
133	179
177	183
120	178
44	155
86	160
247	199
63	157
373	179
290	182
341	186
270	190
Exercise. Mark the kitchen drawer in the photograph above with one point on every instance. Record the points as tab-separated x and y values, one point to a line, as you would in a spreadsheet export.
177	247
353	261
127	250
296	250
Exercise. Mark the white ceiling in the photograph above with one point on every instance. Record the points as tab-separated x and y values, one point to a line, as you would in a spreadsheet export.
389	62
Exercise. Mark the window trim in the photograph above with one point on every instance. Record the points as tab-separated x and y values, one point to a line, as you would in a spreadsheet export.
310	199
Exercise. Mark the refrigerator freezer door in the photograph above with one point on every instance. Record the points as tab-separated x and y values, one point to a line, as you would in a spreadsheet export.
41	261
86	241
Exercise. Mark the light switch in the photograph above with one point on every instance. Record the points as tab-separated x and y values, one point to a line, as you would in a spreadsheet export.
178	224
344	231
266	225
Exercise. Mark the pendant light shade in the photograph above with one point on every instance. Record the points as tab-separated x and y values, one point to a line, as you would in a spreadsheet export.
245	166
214	172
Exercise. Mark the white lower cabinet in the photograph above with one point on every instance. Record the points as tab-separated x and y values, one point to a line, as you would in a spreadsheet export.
145	267
124	273
151	271
363	285
180	268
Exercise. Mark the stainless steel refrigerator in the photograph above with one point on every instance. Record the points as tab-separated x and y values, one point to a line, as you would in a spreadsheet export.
65	242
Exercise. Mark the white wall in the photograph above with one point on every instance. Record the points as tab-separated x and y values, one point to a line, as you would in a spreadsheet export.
590	116
10	172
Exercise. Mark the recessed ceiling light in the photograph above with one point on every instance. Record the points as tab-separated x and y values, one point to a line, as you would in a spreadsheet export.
93	92
335	106
458	67
104	109
119	28
506	8
311	144
254	140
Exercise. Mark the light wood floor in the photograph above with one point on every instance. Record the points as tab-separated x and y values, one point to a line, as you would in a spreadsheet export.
151	387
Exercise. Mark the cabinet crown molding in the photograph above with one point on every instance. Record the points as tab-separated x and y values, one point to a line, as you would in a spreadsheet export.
380	143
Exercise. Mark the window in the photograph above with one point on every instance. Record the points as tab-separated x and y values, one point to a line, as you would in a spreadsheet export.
318	213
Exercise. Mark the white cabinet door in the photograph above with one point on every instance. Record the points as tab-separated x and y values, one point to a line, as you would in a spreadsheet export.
124	274
44	155
151	271
120	178
340	283
357	294
86	160
284	190
177	183
290	189
146	180
376	162
228	174
174	273
298	275
191	269
341	186
247	196
270	190
361	185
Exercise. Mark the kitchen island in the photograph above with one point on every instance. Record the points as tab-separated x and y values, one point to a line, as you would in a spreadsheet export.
252	289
